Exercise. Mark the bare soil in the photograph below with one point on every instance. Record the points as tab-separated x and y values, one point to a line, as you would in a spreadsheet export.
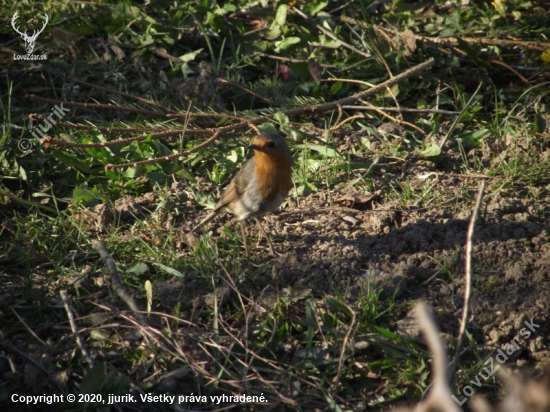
417	252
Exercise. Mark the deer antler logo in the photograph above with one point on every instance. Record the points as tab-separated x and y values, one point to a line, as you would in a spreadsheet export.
29	40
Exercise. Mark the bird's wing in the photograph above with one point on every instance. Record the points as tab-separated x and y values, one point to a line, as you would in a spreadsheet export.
238	185
234	191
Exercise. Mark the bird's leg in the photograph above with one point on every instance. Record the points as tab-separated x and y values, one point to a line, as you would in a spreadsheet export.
261	233
243	230
272	249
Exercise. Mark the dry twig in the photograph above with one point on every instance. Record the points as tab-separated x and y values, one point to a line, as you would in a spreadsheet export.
74	328
467	281
27	327
115	278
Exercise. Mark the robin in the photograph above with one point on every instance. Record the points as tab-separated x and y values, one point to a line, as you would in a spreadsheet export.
260	187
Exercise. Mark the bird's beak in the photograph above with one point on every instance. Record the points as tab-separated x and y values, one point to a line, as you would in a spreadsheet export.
255	147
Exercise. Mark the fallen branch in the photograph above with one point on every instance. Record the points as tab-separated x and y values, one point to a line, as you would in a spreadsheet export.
74	328
115	279
467	282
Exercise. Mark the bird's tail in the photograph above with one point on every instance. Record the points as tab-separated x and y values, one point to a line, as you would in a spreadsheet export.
206	219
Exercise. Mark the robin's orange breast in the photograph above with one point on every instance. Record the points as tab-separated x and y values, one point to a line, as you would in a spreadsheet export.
274	175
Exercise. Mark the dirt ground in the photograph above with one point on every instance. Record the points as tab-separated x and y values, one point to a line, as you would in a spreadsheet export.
417	252
511	260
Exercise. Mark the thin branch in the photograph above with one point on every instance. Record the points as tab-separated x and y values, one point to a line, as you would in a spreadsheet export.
533	45
164	55
401	110
418	129
62	143
33	98
74	328
343	122
131	96
290	60
105	129
115	278
26	202
523	79
467	282
49	141
27	326
323	107
166	158
459	117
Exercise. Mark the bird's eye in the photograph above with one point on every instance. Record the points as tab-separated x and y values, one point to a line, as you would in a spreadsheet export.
271	144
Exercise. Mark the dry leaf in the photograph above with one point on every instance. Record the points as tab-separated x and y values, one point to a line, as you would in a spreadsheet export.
118	51
315	70
355	200
410	40
350	219
192	240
